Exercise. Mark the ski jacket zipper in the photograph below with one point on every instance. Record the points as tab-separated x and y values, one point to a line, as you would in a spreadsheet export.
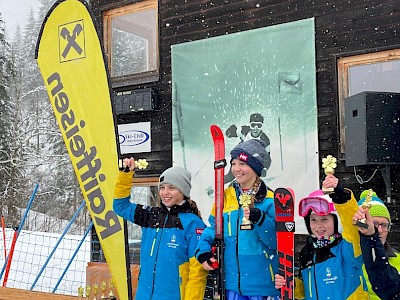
315	277
158	248
237	251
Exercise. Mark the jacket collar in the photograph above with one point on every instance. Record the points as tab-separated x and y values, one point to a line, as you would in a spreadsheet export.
389	250
261	194
175	209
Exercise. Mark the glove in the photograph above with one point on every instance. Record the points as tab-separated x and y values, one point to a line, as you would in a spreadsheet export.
340	195
231	131
205	256
255	215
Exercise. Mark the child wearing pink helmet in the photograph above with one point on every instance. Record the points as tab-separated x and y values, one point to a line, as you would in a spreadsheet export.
330	261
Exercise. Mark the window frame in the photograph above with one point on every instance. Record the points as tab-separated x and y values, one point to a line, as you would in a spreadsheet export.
135	78
343	66
134	247
147	182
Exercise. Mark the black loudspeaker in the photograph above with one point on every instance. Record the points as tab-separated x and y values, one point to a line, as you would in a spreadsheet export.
372	129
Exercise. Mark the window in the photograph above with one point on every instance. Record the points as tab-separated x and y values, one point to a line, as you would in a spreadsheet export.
131	42
144	191
375	72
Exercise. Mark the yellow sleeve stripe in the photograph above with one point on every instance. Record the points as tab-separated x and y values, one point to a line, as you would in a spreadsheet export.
123	185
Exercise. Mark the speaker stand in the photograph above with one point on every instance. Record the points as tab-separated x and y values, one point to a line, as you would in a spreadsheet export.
386	177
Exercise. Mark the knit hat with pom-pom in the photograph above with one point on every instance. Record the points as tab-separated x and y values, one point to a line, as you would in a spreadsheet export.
252	152
378	207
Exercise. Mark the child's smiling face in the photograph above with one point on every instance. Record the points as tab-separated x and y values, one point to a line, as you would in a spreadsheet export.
322	225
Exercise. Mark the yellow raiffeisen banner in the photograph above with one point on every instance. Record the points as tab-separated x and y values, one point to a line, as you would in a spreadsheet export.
72	64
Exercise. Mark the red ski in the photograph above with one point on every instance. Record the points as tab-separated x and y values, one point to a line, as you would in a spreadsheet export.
218	247
284	210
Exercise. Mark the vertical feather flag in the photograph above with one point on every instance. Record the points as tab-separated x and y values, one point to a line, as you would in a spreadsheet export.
72	64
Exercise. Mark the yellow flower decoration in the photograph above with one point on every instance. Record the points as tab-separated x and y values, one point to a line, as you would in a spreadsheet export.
81	291
87	291
329	164
141	164
95	289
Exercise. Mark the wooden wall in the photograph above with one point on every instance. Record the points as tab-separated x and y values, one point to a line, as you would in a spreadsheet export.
342	28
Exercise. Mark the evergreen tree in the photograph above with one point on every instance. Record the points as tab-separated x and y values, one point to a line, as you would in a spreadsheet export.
59	178
31	146
11	169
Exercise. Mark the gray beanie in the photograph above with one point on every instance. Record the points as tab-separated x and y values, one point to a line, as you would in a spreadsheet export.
252	152
179	178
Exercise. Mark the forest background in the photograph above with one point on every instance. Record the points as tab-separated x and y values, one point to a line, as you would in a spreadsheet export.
31	146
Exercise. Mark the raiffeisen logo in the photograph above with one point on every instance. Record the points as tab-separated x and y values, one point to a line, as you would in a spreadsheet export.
83	154
133	137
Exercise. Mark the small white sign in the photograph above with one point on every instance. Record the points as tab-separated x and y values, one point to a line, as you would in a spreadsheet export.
134	137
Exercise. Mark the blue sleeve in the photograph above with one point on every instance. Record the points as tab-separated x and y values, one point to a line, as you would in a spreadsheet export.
193	234
124	208
206	238
384	278
265	227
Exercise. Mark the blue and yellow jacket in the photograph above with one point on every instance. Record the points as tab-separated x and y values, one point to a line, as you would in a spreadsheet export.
250	256
168	268
381	268
334	271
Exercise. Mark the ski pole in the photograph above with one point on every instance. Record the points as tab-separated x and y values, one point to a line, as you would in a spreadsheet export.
8	260
10	256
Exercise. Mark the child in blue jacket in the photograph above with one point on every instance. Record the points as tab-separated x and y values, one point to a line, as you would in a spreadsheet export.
170	232
331	260
250	256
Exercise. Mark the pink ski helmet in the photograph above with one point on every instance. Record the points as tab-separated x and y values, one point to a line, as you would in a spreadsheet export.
320	204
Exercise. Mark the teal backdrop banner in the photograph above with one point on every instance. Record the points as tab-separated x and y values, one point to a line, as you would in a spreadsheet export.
256	81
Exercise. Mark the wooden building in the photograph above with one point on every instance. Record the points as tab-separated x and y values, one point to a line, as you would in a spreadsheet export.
348	34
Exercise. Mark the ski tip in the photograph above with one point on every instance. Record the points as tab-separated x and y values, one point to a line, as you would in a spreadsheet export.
285	191
284	209
216	131
284	201
214	127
